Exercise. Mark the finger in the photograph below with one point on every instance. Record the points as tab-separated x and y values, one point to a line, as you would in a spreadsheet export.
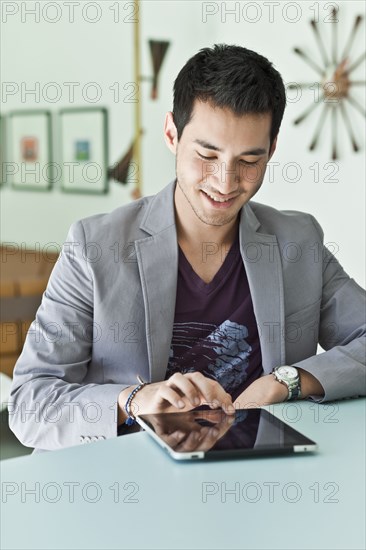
230	409
166	393
188	389
212	391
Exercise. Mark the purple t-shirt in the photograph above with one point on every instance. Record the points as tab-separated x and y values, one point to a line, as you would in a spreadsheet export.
215	330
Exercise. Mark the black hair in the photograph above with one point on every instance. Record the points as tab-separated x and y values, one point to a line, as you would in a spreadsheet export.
233	77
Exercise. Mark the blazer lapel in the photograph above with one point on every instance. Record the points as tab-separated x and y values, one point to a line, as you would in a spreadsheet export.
261	257
157	257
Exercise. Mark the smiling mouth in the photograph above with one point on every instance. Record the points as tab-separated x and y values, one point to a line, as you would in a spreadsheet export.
217	199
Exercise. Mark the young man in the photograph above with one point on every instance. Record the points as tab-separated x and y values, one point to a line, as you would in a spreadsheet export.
197	289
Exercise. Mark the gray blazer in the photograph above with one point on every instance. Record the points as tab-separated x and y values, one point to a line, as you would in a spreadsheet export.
107	315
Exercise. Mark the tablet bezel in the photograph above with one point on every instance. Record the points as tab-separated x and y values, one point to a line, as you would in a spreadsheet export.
307	446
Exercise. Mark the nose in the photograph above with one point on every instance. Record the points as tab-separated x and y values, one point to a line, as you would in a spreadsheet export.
228	178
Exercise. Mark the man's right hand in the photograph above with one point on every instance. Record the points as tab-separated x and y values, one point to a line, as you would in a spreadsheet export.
180	393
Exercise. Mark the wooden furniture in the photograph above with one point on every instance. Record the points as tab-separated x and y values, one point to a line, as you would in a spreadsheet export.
24	276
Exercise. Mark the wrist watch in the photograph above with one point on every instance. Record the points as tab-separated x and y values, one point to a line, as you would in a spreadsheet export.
289	376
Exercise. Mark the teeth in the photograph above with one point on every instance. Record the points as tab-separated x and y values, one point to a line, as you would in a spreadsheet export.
214	198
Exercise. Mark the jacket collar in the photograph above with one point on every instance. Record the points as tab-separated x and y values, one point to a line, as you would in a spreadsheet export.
160	213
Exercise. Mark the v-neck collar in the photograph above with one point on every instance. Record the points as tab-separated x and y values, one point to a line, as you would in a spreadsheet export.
221	275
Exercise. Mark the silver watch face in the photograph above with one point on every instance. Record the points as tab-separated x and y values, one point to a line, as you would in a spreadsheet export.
288	372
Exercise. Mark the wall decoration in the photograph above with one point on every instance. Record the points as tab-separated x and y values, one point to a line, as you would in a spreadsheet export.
334	84
30	148
121	171
84	149
29	156
158	49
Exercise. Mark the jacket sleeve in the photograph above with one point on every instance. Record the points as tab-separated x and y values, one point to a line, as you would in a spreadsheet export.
50	407
341	368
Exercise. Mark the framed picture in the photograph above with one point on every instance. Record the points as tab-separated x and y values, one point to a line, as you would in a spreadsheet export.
30	152
84	150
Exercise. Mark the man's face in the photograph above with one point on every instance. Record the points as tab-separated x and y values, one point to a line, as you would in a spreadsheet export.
219	156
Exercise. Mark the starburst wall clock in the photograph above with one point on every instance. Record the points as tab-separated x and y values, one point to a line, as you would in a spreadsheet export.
333	88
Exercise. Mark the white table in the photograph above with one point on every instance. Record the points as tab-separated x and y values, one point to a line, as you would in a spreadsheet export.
127	493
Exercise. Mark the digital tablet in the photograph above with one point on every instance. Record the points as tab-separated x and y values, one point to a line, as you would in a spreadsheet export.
212	434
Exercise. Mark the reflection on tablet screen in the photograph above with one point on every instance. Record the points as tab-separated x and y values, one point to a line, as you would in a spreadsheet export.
213	430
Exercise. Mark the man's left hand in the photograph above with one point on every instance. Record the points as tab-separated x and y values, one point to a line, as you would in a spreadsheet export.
263	391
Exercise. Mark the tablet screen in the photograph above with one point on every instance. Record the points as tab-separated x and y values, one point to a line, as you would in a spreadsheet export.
214	432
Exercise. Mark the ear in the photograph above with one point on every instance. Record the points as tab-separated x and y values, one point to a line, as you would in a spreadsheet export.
273	148
170	133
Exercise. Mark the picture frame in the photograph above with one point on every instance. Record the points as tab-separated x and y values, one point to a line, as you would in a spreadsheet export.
84	150
30	149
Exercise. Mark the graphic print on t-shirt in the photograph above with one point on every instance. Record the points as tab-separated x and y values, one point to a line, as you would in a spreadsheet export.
218	352
215	330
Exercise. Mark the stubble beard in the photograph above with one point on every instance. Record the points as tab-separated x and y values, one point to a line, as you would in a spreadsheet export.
218	220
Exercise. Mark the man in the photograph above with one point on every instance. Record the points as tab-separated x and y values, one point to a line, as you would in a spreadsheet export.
198	290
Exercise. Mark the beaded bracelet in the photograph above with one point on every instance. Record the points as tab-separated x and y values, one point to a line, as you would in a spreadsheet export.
130	417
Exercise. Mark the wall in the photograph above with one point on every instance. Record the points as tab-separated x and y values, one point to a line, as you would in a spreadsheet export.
101	52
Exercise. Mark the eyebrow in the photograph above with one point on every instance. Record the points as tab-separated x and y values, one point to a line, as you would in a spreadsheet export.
258	151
